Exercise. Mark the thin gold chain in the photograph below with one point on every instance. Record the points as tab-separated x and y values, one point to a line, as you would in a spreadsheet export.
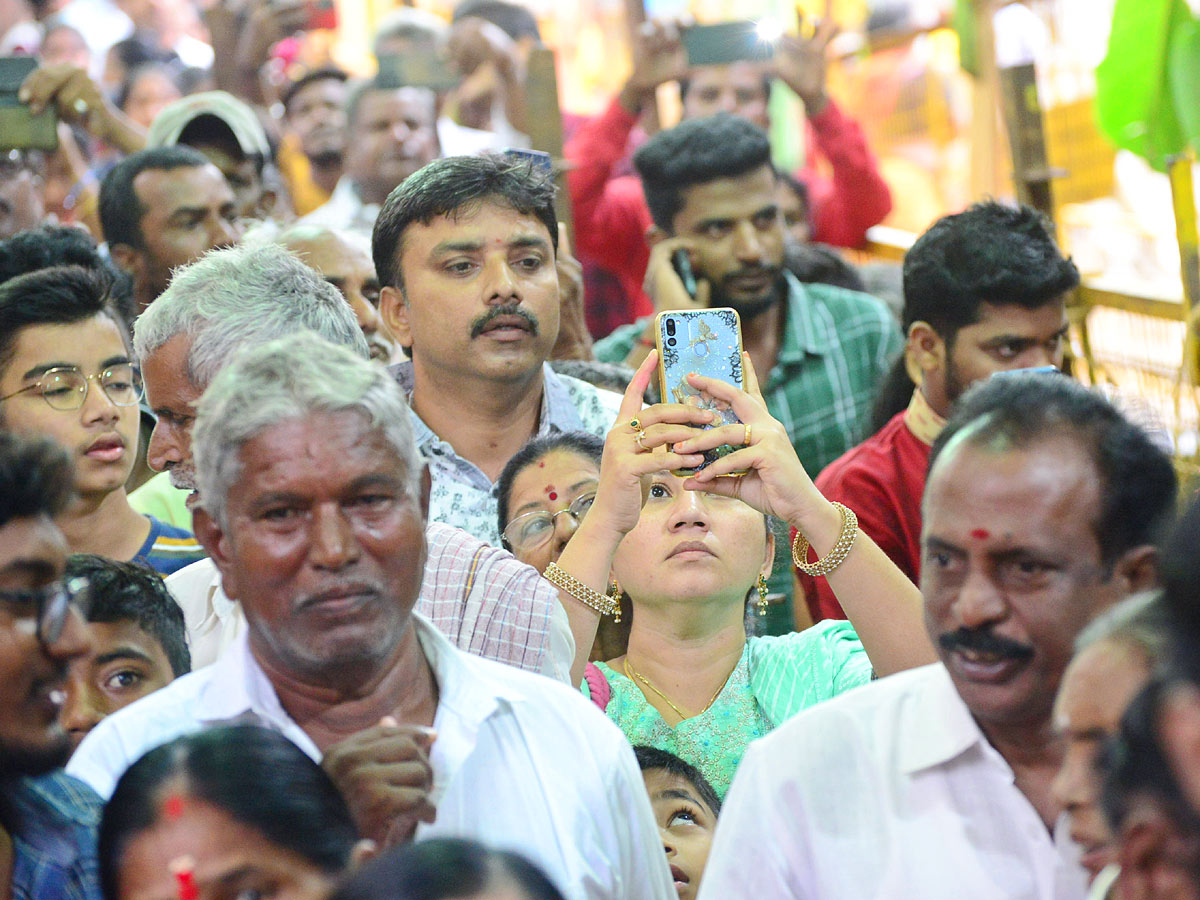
633	674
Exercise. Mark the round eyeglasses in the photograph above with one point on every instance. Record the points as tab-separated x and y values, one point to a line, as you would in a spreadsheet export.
49	605
66	387
531	530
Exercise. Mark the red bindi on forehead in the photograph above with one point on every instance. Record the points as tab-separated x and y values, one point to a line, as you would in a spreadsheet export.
551	492
980	534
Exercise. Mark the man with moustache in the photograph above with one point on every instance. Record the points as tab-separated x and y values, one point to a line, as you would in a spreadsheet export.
465	250
822	350
48	820
1042	509
483	599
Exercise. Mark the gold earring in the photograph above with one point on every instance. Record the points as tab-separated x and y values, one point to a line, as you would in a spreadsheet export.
614	594
761	587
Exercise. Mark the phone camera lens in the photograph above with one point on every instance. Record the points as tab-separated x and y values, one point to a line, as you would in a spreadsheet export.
670	326
671	342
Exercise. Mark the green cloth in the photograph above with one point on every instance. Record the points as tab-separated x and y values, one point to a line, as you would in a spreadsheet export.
161	499
1139	97
837	346
775	678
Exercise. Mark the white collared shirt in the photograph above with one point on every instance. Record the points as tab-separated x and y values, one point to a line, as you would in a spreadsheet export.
482	598
520	762
890	791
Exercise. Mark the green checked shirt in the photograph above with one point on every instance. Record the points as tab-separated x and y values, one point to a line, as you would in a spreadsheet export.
837	346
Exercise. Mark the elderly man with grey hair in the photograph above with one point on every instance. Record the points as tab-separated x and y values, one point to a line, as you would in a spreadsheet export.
242	297
313	502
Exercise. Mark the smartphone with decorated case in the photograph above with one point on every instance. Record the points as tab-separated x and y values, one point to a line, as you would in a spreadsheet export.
707	342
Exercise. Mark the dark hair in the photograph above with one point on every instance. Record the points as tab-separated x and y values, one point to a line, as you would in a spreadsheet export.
515	21
1181	592
170	70
444	868
35	477
120	209
140	48
257	776
696	152
991	253
1132	763
47	246
586	445
61	295
613	377
327	73
1137	478
453	186
653	759
129	592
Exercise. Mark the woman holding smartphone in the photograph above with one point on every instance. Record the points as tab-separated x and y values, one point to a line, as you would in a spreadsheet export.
689	551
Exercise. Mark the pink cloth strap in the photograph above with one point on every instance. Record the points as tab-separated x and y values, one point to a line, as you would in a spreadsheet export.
599	690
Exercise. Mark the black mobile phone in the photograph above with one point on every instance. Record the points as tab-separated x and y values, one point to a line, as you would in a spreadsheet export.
682	264
725	42
419	67
19	128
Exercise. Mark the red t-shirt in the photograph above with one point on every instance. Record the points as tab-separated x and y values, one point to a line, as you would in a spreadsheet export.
882	480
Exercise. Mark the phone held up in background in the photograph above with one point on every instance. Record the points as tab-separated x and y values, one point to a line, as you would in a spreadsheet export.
724	43
425	67
707	342
536	158
19	128
682	263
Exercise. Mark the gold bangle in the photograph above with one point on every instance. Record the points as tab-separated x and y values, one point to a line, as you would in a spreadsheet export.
836	556
606	605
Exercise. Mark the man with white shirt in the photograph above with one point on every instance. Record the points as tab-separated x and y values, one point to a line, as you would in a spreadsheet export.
1041	510
312	505
479	596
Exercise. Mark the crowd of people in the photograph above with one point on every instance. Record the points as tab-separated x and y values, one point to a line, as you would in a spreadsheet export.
350	546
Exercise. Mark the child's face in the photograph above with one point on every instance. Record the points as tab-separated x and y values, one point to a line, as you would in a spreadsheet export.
125	665
686	825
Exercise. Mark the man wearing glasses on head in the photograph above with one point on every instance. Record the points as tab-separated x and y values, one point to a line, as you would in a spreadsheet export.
66	374
48	820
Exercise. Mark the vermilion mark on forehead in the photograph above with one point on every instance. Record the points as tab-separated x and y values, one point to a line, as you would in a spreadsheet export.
981	534
551	492
173	806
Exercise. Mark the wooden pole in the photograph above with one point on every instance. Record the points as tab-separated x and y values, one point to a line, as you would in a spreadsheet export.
545	123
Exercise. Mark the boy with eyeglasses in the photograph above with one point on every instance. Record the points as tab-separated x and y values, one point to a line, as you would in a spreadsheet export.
48	820
66	374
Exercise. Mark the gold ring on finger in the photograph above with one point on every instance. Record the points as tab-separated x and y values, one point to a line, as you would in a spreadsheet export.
638	437
635	423
746	439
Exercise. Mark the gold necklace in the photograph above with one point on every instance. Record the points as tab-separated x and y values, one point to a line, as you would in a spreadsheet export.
632	674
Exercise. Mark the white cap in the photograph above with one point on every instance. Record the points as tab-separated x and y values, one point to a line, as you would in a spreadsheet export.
232	112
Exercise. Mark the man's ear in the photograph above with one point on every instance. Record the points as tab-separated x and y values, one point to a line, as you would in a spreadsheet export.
426	485
926	348
1138	569
1179	730
655	235
127	258
394	311
216	543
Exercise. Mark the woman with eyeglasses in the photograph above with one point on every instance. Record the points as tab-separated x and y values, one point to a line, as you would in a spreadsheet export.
543	493
688	553
66	374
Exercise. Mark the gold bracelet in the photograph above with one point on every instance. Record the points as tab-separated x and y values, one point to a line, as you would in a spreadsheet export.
606	605
836	556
